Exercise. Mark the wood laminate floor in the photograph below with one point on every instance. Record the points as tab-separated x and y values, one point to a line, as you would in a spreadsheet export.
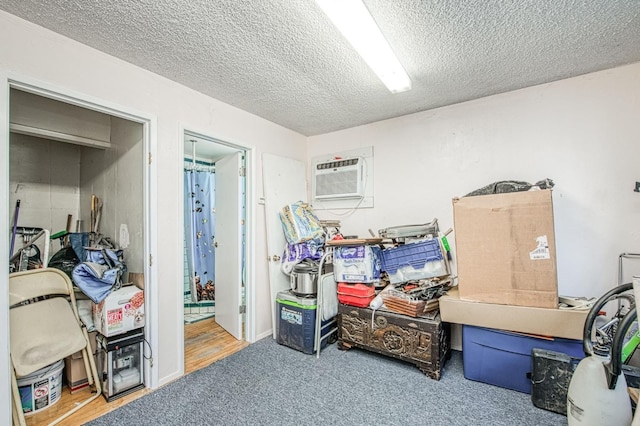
205	343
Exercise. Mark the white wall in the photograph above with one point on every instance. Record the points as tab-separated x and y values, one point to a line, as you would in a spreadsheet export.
129	138
35	111
581	132
38	54
45	177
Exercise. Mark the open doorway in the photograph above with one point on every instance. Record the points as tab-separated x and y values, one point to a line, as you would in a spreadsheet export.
62	152
214	249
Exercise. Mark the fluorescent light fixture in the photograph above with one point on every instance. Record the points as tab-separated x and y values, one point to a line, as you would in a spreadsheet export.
354	21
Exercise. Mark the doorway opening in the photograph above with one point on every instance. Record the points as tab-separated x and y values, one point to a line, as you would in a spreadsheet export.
199	235
214	256
62	151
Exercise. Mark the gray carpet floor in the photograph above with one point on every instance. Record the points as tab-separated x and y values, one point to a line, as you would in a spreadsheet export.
270	384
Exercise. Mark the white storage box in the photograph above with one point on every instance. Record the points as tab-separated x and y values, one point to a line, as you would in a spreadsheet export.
121	311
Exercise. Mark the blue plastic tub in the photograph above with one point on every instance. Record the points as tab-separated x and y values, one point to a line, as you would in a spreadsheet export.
414	261
502	358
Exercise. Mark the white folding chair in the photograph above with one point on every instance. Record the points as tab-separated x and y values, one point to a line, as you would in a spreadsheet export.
45	328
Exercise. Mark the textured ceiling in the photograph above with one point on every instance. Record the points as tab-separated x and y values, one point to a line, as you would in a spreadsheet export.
284	61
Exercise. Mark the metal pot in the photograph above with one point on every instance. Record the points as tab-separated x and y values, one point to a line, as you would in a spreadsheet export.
304	278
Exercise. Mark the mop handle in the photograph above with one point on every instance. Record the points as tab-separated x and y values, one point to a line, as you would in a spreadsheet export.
15	226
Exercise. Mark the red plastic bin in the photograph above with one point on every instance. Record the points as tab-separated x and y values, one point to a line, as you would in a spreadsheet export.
358	294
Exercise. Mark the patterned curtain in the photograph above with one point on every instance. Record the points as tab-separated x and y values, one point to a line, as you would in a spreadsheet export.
199	216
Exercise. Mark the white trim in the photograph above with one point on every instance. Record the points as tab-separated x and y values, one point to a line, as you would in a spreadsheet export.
5	217
63	94
180	271
250	244
149	123
170	378
263	335
152	332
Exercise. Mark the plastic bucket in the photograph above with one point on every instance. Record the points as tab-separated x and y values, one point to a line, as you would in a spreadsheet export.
41	389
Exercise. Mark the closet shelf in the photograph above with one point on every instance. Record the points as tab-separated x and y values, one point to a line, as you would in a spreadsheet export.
57	136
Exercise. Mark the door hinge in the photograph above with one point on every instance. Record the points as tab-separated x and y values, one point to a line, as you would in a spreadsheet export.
150	260
243	309
242	171
150	158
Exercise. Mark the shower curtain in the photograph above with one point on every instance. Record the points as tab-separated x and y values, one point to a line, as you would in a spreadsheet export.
199	217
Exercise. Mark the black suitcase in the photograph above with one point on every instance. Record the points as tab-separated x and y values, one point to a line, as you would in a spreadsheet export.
551	374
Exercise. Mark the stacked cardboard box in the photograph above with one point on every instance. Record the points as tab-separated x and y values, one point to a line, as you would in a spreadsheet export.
74	369
505	253
505	247
121	311
507	280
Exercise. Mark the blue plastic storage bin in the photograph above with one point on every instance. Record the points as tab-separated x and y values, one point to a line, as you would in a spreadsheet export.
414	261
502	358
297	322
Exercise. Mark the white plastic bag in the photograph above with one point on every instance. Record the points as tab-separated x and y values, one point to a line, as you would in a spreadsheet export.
300	223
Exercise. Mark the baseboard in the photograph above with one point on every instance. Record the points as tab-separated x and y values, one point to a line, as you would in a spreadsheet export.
263	335
168	379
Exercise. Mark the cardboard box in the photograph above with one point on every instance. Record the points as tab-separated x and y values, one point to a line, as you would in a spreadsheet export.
357	264
74	370
505	249
121	311
565	323
137	279
503	359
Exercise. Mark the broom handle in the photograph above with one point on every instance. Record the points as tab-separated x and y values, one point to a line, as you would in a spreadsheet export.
68	229
15	226
93	203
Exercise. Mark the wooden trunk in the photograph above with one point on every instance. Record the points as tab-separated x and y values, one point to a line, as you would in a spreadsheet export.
423	341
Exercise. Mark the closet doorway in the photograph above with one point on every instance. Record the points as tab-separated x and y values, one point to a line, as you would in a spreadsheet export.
214	246
60	149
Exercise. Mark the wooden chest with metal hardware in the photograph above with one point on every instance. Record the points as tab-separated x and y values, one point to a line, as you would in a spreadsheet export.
423	341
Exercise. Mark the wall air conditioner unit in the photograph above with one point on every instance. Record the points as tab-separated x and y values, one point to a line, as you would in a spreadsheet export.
338	179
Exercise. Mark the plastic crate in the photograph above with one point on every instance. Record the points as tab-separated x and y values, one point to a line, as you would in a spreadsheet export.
414	261
356	294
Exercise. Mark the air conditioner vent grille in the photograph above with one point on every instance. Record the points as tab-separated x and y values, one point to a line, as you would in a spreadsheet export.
339	179
337	183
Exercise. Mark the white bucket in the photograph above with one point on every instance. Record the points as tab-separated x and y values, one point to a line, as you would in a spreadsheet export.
41	389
